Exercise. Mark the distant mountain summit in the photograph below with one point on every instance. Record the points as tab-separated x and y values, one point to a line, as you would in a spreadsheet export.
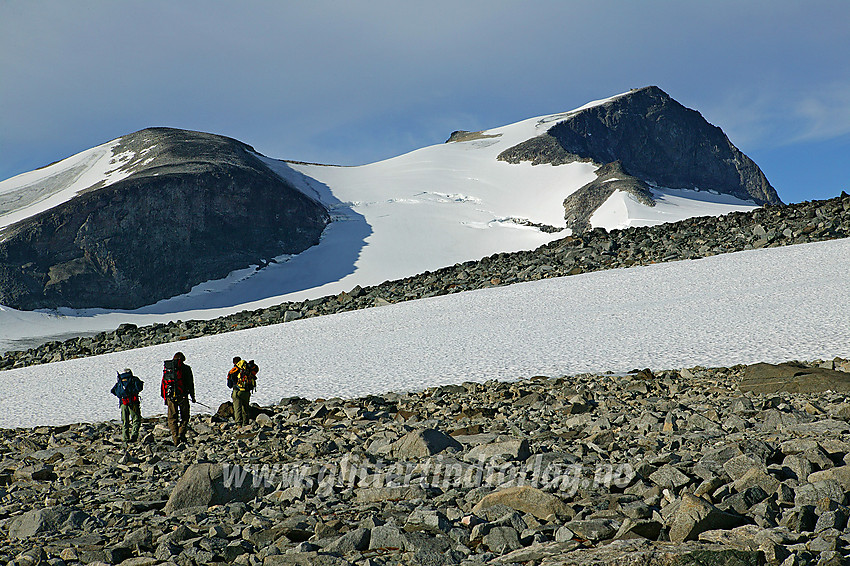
655	140
171	209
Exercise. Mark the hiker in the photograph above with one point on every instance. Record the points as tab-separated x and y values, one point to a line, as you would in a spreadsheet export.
242	378
127	389
178	385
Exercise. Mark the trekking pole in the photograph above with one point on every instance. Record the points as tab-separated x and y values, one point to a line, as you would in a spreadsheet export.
203	405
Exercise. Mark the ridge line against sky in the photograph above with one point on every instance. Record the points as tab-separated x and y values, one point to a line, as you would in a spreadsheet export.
355	83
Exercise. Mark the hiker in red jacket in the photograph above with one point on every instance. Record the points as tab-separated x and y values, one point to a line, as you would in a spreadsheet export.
178	385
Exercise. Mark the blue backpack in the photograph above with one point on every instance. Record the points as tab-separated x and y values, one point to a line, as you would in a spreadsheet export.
127	387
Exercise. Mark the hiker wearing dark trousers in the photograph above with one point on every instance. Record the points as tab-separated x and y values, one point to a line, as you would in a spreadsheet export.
178	385
127	389
242	378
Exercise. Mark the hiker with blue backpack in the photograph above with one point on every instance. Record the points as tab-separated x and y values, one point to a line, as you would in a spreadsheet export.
127	389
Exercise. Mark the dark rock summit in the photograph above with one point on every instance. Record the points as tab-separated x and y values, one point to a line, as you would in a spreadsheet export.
657	140
194	207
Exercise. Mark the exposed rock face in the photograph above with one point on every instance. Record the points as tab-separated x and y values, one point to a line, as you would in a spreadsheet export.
463	135
581	205
793	378
196	207
657	140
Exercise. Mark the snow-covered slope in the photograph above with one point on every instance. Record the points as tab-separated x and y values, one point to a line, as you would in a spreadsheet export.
687	313
427	209
29	193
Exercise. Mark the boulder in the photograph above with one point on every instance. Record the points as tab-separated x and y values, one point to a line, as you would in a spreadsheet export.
792	378
47	520
641	552
203	485
377	494
594	529
508	449
225	411
38	521
502	540
840	474
526	499
387	537
357	539
423	443
695	515
304	559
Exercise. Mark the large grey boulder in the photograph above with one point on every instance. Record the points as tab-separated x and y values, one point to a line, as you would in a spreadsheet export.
526	499
641	552
387	537
203	485
394	493
423	443
48	520
695	515
792	378
514	449
357	539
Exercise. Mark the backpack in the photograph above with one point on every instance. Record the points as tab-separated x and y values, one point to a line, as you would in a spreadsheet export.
231	378
172	381
127	388
246	379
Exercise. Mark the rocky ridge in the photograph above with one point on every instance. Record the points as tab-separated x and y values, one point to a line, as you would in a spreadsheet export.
770	226
580	206
673	467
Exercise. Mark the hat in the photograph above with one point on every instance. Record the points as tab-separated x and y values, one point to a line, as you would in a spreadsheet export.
179	356
127	371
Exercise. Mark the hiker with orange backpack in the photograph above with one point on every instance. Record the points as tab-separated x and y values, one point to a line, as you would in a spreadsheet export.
242	378
178	385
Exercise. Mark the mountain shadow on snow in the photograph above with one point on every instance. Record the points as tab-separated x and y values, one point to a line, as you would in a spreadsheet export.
196	207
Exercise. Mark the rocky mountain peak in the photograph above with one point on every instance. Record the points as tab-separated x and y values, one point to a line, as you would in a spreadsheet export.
657	140
190	207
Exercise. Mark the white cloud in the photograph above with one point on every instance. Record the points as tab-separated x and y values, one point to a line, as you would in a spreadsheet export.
824	114
774	116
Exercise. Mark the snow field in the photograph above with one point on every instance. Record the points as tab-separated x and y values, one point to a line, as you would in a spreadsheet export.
763	305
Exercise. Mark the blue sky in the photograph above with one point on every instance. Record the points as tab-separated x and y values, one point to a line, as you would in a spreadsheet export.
356	82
